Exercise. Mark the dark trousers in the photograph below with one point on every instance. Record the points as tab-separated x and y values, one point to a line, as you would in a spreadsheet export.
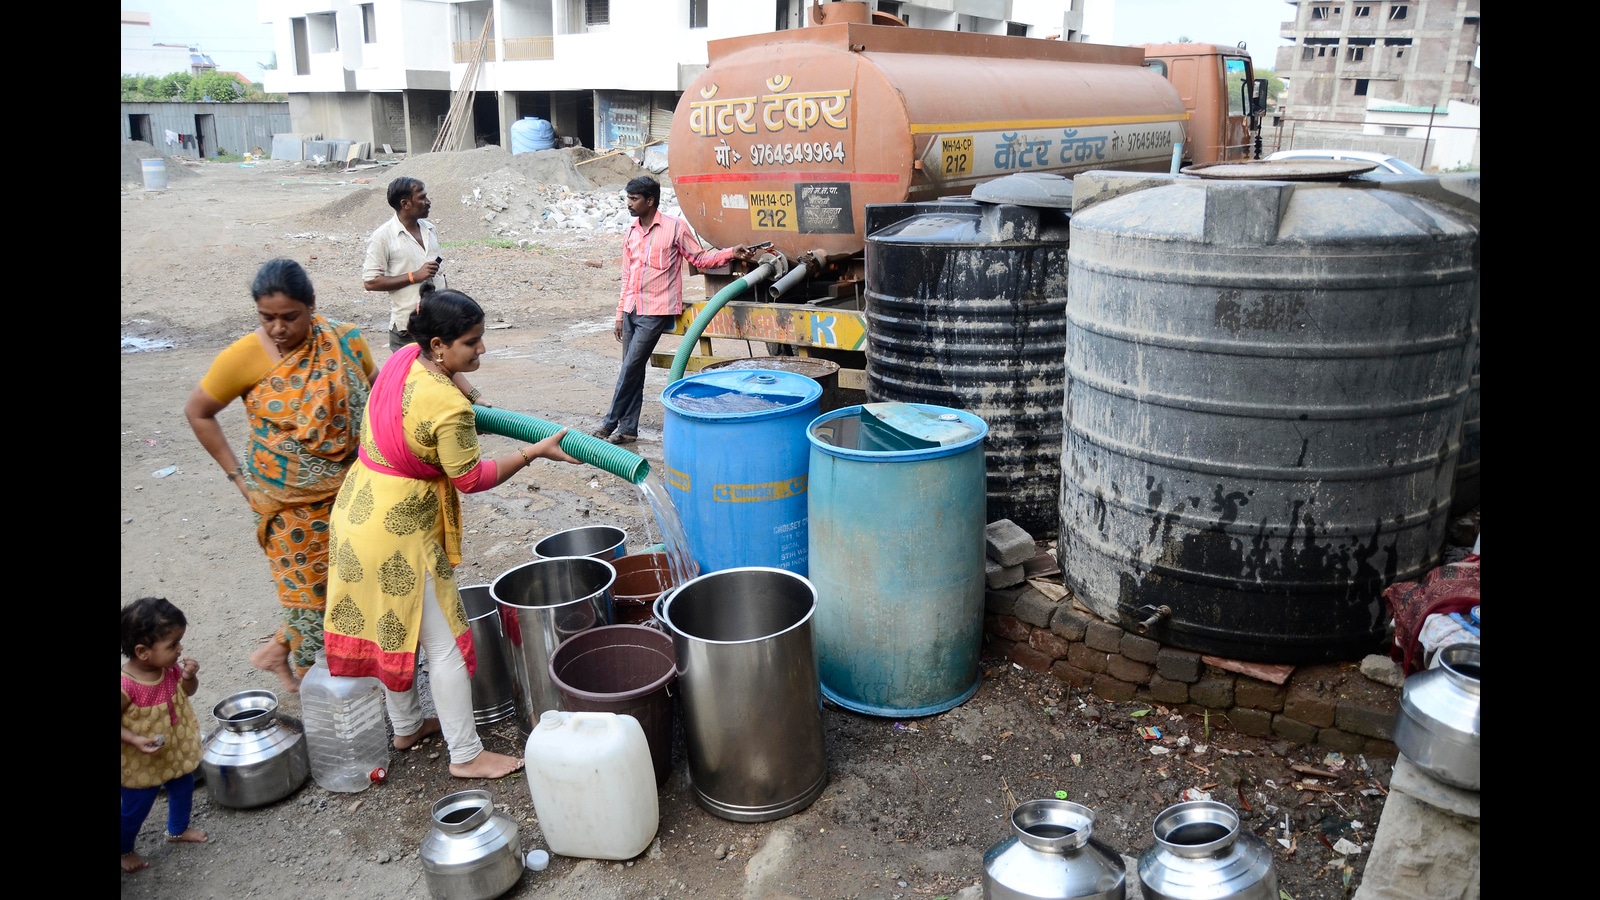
639	336
137	803
398	339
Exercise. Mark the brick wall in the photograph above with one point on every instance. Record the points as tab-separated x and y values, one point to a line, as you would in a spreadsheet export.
1330	705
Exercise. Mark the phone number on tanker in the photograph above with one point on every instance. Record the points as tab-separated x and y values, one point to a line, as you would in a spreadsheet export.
789	154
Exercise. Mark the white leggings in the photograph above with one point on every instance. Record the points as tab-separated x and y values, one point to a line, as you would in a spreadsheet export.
448	679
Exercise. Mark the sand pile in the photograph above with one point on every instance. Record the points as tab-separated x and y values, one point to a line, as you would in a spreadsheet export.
133	154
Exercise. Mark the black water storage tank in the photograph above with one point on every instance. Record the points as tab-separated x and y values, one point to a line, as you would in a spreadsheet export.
965	304
1265	390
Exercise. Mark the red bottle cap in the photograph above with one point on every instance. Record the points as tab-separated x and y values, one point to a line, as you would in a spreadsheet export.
378	774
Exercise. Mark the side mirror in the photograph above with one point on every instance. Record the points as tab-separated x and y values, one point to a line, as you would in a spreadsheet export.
1258	100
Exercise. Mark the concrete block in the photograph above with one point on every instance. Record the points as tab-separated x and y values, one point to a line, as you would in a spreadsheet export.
1103	636
1011	629
1179	665
998	576
1034	608
1214	691
1165	690
1342	741
1125	669
1069	624
1007	544
1071	674
1139	648
1367	721
1293	729
1051	645
1427	843
1308	705
1251	721
1383	670
1086	659
1001	602
1113	688
1029	658
1259	694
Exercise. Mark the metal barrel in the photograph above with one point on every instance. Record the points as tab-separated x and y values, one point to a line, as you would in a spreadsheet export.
494	695
542	603
752	712
606	542
897	559
1266	383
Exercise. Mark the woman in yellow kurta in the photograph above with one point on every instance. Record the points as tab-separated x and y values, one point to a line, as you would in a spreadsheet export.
397	533
303	380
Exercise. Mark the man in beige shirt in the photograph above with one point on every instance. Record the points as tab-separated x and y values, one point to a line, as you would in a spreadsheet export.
403	259
403	255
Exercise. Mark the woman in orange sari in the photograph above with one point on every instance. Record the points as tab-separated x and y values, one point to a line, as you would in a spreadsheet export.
304	382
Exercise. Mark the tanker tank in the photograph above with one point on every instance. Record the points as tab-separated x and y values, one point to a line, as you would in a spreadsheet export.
787	137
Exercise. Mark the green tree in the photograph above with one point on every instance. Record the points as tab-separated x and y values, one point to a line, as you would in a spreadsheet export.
173	87
216	86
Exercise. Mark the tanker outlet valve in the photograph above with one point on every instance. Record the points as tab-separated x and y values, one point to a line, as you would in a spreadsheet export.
806	266
1153	615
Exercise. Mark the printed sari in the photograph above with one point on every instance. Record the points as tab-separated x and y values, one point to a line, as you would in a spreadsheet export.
397	523
305	421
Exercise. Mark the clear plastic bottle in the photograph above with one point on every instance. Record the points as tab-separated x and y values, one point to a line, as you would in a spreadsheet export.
346	734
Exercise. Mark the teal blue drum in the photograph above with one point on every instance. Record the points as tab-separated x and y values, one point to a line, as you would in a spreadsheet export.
734	450
897	512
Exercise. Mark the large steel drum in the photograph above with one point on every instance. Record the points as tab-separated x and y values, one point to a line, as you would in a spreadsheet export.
1266	384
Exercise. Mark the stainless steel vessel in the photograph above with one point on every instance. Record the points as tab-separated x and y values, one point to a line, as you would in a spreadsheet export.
542	603
606	542
493	683
1200	854
472	852
1050	857
257	756
1437	725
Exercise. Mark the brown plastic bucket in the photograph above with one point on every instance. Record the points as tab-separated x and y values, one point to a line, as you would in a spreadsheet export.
641	578
622	669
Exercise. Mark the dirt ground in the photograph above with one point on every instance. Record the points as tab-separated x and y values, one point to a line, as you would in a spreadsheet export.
910	806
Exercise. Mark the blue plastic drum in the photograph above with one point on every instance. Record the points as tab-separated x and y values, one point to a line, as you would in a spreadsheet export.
735	457
897	514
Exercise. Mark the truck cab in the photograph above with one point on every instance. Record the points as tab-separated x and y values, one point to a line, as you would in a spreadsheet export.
1224	99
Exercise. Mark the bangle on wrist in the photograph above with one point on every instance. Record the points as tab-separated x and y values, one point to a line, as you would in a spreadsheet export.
411	278
473	395
236	473
526	459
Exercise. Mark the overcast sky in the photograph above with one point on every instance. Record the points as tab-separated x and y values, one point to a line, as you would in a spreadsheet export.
1225	22
229	32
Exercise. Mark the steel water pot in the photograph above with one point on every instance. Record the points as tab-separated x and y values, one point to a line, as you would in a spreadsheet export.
1201	854
472	852
257	756
1436	726
1049	856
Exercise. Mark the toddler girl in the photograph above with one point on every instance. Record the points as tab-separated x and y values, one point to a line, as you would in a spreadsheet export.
160	736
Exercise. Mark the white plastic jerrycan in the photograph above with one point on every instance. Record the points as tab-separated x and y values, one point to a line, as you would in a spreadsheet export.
593	784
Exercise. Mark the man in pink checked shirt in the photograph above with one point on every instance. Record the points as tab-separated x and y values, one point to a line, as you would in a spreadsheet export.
653	251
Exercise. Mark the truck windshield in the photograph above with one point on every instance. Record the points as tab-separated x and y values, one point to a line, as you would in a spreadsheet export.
1238	84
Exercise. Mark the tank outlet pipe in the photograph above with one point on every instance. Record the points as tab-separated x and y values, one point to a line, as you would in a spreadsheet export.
808	264
681	358
1156	614
630	467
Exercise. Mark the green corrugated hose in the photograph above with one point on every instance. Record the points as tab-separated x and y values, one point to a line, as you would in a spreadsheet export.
686	346
587	448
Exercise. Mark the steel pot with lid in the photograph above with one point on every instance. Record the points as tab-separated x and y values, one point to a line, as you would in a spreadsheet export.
1200	852
257	756
1049	856
1437	724
472	852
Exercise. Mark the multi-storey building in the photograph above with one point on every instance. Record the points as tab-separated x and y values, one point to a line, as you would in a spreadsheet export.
1348	55
606	72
